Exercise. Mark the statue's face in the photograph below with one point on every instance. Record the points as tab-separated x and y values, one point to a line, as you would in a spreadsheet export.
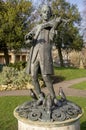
46	13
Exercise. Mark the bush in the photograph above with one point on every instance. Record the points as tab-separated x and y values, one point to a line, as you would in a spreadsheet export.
11	78
14	78
18	65
1	67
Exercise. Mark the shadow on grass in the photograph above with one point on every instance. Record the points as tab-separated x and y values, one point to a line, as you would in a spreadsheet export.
83	125
65	68
57	79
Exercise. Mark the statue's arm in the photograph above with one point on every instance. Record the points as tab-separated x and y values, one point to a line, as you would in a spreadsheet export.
33	35
57	21
55	24
29	37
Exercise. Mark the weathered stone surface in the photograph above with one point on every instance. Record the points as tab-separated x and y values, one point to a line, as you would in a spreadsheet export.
71	124
74	126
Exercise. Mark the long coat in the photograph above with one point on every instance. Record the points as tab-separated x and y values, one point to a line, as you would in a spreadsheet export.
42	47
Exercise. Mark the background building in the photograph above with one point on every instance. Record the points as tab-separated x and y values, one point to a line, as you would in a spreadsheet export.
22	55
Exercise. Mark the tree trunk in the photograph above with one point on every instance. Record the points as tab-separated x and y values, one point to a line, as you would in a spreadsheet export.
6	55
60	57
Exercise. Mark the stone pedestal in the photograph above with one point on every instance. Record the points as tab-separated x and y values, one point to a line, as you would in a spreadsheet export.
26	124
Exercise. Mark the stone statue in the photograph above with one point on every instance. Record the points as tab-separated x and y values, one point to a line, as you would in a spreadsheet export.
41	38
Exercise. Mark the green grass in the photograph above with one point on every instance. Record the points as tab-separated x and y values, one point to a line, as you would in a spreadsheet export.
69	73
8	104
82	103
81	85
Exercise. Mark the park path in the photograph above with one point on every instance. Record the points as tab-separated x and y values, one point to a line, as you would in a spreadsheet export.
64	84
71	91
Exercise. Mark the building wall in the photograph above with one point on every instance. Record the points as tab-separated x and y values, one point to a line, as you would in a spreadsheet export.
14	57
2	60
75	58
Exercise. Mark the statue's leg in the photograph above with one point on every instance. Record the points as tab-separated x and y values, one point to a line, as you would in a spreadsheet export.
48	82
35	82
34	75
49	85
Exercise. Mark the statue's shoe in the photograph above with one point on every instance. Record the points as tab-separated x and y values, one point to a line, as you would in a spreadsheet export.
57	102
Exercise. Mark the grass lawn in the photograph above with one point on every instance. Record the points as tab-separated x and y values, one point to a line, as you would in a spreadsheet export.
81	102
69	73
81	86
8	104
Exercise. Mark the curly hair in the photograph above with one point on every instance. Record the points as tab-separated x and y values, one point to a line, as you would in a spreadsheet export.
46	6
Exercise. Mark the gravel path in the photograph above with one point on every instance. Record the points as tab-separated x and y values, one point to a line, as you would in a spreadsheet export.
64	84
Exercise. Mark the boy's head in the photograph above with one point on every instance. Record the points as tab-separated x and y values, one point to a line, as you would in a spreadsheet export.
46	12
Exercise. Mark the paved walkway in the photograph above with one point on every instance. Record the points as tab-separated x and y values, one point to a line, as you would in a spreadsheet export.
64	84
71	91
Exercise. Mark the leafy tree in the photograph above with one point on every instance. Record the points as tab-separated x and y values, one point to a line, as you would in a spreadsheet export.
3	46
14	20
68	36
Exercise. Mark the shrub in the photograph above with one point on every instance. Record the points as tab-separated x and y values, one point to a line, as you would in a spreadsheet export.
1	67
13	77
18	65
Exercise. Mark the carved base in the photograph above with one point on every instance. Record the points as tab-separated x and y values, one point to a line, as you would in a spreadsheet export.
40	117
25	124
67	110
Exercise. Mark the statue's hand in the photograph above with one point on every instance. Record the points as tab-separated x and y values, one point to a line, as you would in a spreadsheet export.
58	19
28	36
66	21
